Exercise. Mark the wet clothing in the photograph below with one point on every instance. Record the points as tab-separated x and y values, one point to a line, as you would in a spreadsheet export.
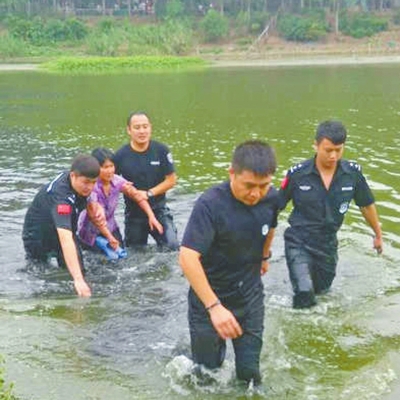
146	170
86	229
318	213
138	230
209	349
310	274
56	205
230	237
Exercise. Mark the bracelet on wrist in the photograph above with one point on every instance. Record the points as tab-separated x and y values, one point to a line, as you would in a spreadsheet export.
150	194
268	256
215	304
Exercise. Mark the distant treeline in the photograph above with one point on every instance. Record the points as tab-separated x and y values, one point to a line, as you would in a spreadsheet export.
161	8
177	27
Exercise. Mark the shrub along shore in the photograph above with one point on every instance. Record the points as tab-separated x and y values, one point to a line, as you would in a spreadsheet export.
244	35
99	65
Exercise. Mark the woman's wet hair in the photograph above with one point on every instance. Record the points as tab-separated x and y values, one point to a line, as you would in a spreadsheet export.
334	131
255	156
101	154
85	165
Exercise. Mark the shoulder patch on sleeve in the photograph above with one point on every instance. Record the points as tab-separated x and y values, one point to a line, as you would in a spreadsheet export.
285	182
64	209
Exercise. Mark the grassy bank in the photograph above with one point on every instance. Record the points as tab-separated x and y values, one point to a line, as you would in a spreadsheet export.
99	65
5	390
140	44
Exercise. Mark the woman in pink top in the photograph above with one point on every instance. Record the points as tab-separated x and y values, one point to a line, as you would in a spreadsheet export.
106	192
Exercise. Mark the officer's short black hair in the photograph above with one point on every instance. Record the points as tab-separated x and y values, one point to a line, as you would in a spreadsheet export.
255	156
101	154
85	165
133	114
334	131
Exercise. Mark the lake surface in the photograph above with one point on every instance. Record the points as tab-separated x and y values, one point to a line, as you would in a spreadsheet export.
131	340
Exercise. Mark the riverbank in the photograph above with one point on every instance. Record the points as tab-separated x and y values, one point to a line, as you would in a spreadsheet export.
273	51
252	62
381	48
308	61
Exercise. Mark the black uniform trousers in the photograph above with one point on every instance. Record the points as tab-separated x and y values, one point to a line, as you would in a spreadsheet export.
209	349
137	230
311	272
40	249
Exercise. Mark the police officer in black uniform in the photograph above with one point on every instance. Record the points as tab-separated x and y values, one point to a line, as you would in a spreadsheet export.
321	190
224	252
149	166
51	220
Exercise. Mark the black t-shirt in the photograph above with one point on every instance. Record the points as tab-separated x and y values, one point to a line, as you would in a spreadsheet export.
56	205
318	213
230	236
145	170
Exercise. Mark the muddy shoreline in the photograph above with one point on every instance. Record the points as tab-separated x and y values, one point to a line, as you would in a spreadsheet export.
284	61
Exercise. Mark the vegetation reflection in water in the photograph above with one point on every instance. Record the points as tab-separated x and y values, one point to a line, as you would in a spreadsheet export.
131	339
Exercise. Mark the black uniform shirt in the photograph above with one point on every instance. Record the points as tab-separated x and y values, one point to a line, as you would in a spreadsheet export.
317	212
56	205
145	170
230	237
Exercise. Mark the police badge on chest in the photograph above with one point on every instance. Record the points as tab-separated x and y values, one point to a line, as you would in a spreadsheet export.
344	207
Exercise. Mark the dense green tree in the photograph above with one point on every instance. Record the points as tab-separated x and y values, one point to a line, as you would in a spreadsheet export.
250	16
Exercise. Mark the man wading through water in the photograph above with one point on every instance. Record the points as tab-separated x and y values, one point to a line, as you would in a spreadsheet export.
321	190
149	166
225	250
50	224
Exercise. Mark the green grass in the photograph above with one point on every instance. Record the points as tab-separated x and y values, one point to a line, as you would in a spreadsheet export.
5	390
106	65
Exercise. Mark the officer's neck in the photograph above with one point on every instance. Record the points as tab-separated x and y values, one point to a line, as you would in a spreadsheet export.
324	168
140	147
326	172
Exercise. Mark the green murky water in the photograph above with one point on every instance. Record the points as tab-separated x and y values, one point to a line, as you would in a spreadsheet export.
130	341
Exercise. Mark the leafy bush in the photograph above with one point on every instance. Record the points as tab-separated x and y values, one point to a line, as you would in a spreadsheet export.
258	21
174	9
106	38
5	391
77	30
18	28
242	22
178	36
169	38
301	28
106	25
39	31
214	26
54	31
74	65
253	23
362	25
103	44
12	47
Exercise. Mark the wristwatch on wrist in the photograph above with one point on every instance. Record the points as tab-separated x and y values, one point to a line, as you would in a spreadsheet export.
150	194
